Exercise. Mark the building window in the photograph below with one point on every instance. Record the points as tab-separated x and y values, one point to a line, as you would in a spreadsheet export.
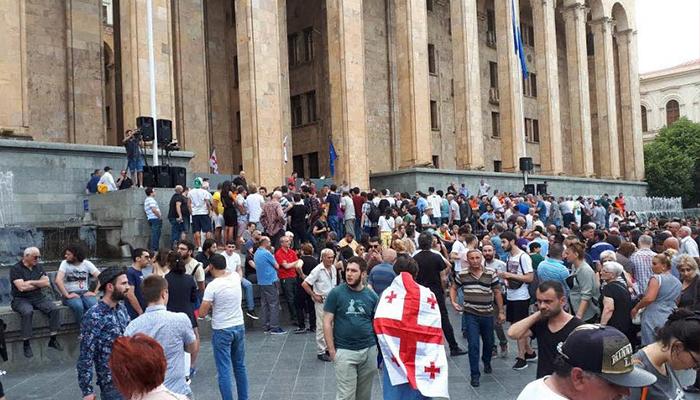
434	116
673	112
429	5
491	28
530	85
497	166
528	34
645	127
590	50
436	161
235	71
495	125
298	162
313	165
311	106
108	117
532	130
493	74
297	116
237	134
292	41
308	44
432	59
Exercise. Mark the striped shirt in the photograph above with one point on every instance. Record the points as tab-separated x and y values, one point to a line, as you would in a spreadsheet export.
478	291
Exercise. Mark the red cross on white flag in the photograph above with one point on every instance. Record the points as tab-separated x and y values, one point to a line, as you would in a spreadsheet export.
407	324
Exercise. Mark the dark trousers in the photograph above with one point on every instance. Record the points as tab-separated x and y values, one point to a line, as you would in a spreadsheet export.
479	327
444	318
156	226
305	306
25	308
289	286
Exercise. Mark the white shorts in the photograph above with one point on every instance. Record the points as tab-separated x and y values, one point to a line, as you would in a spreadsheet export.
218	220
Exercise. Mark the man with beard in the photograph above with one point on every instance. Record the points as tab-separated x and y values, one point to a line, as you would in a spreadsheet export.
550	325
347	328
100	326
491	262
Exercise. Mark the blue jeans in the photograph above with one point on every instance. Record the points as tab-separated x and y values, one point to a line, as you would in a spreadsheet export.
479	327
80	305
176	229
336	224
229	354
248	292
156	225
403	391
110	393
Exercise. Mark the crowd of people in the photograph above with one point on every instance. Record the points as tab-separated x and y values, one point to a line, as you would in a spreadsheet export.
549	266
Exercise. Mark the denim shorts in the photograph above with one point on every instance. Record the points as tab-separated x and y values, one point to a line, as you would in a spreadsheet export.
135	164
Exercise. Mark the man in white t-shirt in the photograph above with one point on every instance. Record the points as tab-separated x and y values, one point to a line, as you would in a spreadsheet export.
108	180
687	244
435	202
320	281
223	298
254	202
517	277
200	206
595	362
235	265
496	202
484	188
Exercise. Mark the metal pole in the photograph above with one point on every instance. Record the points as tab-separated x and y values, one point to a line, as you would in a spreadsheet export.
152	76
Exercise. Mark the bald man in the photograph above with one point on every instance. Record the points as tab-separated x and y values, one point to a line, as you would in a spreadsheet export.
672	243
381	275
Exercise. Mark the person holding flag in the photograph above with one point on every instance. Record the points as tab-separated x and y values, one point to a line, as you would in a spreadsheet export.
409	333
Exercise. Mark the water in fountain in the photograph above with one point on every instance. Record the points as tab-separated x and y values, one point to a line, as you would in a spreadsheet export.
7	198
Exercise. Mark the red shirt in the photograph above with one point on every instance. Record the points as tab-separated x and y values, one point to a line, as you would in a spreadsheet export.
358	201
286	256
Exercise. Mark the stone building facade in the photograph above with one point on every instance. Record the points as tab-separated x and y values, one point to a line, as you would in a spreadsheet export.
669	94
392	84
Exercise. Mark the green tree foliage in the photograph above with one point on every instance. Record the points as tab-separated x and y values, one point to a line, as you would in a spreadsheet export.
672	162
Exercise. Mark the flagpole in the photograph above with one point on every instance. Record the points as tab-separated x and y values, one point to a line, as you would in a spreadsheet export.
152	77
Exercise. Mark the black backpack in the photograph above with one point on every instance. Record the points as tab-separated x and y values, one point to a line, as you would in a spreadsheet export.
374	213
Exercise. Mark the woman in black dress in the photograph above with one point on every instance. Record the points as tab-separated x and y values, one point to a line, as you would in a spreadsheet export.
230	211
182	294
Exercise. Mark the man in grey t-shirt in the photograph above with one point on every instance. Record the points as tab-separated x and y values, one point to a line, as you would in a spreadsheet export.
172	330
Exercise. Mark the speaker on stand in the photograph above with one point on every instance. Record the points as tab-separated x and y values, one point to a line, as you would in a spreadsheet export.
145	125
179	176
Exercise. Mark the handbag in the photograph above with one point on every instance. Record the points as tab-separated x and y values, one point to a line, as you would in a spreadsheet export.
513	284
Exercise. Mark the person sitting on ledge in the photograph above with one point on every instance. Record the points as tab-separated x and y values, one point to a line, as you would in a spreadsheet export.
28	278
73	281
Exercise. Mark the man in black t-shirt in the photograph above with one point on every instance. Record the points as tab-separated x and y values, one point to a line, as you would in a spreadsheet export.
297	216
176	214
550	325
430	269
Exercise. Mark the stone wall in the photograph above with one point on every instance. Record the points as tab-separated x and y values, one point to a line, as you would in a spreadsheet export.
48	179
413	179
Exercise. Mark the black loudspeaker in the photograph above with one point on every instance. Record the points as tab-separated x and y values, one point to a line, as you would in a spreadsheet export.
163	177
149	177
179	176
145	124
541	188
165	131
526	164
530	188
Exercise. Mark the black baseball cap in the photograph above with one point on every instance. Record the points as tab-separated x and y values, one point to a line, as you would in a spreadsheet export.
606	352
109	274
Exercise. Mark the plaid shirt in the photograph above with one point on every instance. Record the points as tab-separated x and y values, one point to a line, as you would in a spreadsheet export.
641	259
365	211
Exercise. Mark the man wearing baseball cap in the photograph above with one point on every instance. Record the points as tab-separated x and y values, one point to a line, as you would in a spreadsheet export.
595	362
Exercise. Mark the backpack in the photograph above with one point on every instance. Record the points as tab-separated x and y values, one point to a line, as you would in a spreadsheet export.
374	213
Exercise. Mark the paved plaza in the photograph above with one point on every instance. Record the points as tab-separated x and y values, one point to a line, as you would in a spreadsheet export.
282	367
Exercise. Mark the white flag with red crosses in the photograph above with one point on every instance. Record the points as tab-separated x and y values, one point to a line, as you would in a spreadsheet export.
408	328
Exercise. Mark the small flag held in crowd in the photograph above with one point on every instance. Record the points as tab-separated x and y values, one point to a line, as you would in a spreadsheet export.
213	164
332	157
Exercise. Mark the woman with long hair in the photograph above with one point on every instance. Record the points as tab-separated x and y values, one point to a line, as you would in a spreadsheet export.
228	199
583	283
659	299
182	291
676	347
690	298
138	366
162	261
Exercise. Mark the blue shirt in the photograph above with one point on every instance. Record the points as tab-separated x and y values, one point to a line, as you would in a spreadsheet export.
544	245
92	184
380	277
553	270
542	210
421	203
265	267
173	331
523	208
444	208
135	279
597	249
101	324
500	252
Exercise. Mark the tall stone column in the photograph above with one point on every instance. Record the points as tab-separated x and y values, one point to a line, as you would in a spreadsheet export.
579	97
190	77
13	67
509	89
548	112
413	89
264	99
134	56
346	61
607	146
630	110
467	84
